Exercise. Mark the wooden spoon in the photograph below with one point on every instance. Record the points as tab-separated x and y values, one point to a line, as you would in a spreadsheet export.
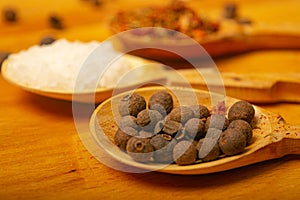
258	88
232	38
272	137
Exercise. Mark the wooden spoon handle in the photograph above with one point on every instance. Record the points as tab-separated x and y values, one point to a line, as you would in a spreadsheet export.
273	41
251	87
264	36
285	137
291	145
288	139
254	37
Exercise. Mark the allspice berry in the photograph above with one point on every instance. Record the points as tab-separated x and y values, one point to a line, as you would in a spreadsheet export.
140	149
232	142
241	110
128	120
123	135
213	133
132	104
164	152
159	141
147	119
161	101
171	127
244	127
194	129
181	114
185	152
208	149
218	121
200	111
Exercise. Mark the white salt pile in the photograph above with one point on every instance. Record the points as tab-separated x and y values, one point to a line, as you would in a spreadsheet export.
56	66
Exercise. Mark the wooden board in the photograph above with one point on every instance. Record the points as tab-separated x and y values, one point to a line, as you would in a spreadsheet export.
42	156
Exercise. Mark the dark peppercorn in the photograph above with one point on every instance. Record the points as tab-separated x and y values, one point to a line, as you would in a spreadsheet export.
56	22
194	129
145	134
132	104
143	118
208	149
171	127
159	141
241	110
200	111
185	152
232	141
128	120
147	119
161	101
230	11
47	40
213	133
244	127
123	135
3	56
164	150
181	114
94	2
9	15
140	149
218	121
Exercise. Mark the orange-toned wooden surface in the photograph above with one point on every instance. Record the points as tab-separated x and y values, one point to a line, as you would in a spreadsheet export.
42	156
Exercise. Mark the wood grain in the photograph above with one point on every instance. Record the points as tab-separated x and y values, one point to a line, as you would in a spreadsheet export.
42	156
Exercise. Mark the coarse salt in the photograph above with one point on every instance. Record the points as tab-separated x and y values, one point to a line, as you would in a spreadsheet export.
57	66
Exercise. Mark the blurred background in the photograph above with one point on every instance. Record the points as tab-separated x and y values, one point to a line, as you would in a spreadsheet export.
87	20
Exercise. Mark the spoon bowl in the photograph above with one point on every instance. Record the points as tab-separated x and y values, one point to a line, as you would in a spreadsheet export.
272	137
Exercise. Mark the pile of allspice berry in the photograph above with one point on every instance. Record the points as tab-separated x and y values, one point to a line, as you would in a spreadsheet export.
159	132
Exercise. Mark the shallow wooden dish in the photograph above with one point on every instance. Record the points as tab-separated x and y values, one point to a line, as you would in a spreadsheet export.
272	137
87	96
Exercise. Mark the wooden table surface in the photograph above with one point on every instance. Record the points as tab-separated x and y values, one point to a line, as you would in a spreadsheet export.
42	156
